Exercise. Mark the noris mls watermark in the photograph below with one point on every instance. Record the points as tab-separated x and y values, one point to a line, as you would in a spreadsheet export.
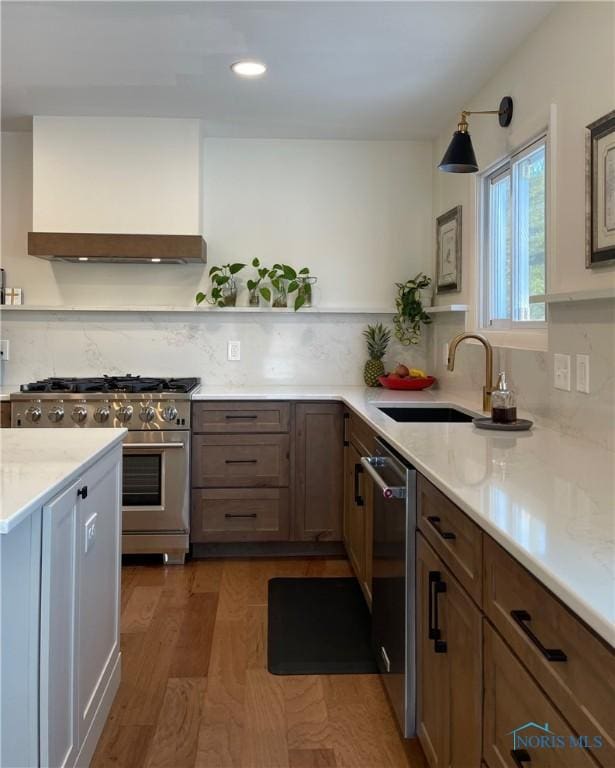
533	735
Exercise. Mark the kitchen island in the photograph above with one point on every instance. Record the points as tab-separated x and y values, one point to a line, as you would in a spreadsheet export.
60	528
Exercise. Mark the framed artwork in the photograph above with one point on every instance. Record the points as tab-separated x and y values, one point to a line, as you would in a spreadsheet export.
448	253
600	192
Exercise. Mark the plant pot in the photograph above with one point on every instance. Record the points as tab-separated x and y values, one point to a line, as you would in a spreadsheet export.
307	283
229	294
280	298
254	298
426	296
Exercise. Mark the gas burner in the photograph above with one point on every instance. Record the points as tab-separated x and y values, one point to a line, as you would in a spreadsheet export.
120	384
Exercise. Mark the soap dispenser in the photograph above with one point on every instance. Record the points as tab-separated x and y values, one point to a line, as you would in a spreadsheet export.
503	403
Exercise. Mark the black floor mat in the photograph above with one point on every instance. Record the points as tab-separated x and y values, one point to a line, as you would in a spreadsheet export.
318	627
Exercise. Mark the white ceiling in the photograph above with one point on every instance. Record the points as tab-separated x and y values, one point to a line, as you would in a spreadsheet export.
335	69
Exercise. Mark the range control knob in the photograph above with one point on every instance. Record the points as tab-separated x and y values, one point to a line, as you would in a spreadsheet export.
124	413
33	413
79	414
169	413
101	414
56	414
147	413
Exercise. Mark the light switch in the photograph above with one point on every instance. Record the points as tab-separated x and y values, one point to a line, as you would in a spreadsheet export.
90	532
583	374
234	350
561	371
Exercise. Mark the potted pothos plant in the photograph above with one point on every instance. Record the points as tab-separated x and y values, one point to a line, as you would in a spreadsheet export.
223	291
256	287
411	314
287	281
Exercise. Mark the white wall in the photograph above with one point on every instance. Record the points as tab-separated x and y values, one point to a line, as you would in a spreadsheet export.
568	61
358	213
118	175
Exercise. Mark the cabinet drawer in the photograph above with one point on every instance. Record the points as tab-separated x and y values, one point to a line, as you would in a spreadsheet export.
243	514
582	686
453	535
240	417
512	699
361	435
234	461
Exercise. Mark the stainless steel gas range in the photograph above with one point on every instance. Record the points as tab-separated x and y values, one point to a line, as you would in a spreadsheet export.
156	464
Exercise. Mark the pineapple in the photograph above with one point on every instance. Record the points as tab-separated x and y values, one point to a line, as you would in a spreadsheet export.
377	337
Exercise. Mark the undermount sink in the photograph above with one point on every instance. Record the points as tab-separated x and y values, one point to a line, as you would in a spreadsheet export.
427	414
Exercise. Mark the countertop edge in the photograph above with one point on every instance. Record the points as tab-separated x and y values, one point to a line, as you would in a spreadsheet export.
6	526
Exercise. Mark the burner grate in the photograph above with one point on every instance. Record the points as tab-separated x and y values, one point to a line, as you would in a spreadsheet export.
128	384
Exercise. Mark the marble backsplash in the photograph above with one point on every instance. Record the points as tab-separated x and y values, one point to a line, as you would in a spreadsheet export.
313	349
574	328
308	349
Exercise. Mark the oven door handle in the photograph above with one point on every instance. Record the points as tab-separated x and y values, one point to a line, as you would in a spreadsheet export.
151	446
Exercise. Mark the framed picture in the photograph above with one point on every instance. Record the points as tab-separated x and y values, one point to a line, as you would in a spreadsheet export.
600	192
448	255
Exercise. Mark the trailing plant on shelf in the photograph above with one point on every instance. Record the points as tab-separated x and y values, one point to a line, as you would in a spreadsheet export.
256	287
377	338
287	280
410	312
223	286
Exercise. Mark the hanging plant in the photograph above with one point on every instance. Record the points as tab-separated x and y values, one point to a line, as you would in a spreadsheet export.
223	286
410	312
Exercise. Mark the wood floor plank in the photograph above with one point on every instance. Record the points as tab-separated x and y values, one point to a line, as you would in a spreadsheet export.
193	646
140	609
264	743
127	749
307	718
223	709
234	590
311	758
175	740
207	576
256	636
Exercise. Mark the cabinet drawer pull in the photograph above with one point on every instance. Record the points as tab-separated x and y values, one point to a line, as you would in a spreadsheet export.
520	756
345	421
240	461
83	492
240	416
550	654
358	499
238	514
436	587
435	524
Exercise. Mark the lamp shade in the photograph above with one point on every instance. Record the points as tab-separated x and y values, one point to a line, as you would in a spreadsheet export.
459	157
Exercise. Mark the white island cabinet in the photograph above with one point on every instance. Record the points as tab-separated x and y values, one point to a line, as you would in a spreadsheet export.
60	552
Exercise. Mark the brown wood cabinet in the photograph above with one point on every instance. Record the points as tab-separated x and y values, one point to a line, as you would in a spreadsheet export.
240	417
449	665
358	502
5	415
319	457
240	514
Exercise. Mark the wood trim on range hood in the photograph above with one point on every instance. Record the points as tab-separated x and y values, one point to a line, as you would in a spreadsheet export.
118	249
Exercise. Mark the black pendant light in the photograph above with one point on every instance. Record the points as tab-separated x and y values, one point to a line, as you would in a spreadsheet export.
460	157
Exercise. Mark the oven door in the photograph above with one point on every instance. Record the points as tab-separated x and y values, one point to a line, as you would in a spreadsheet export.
155	493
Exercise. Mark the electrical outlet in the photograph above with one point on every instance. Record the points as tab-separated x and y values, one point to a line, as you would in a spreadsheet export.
234	350
90	532
4	349
583	374
561	371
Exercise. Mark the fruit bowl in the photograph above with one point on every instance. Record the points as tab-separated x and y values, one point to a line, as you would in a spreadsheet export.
406	383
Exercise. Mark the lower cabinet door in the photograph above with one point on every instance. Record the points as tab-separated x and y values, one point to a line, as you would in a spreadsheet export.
521	725
58	684
449	674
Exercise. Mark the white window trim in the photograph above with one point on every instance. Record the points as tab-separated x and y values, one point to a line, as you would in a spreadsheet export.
533	339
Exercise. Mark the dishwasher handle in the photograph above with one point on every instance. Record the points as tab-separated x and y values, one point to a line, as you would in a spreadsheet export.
370	463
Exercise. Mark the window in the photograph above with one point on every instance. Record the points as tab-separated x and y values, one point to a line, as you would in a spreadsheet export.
514	247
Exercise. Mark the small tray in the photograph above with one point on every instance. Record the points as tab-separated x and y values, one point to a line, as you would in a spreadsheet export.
406	383
515	426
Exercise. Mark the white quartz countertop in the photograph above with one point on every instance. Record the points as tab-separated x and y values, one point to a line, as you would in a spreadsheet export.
36	463
5	391
546	497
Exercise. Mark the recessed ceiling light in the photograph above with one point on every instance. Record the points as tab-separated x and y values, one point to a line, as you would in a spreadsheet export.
249	68
155	261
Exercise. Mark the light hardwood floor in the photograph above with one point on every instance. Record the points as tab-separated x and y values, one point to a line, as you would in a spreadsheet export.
195	689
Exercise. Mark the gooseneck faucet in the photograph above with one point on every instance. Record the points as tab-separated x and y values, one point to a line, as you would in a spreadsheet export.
452	348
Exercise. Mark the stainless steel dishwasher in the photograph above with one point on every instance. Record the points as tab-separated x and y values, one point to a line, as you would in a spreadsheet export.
393	580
